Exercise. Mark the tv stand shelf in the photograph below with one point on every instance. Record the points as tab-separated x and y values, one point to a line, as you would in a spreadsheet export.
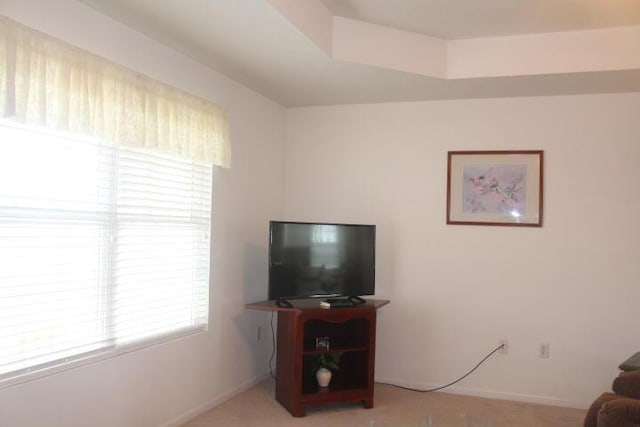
351	331
338	349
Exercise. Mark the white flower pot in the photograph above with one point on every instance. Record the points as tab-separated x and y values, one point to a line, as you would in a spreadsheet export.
323	375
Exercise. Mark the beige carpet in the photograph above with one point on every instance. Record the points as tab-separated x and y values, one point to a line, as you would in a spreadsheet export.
393	407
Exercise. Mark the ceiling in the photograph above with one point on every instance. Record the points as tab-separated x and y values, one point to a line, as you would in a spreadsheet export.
464	19
275	46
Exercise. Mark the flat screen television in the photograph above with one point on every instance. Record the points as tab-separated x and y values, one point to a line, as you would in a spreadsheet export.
321	260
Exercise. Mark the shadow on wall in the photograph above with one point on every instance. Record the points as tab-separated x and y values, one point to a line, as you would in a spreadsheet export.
255	272
253	326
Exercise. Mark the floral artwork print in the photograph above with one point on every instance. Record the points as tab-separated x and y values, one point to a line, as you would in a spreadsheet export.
494	189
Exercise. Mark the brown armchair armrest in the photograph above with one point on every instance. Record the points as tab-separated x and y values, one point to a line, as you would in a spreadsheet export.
591	418
621	412
628	384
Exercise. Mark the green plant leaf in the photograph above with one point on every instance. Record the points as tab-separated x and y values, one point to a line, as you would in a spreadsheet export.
328	360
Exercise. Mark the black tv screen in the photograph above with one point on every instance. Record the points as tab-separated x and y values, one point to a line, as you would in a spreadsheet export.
309	260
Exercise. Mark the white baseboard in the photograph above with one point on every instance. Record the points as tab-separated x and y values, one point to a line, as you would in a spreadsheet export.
490	394
210	404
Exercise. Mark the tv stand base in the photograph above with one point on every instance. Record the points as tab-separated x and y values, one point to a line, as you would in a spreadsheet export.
357	300
283	303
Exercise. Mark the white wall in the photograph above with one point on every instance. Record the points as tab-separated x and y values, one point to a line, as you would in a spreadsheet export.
165	384
457	290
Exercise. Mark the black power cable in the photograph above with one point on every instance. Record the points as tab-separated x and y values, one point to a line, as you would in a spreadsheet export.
451	383
273	348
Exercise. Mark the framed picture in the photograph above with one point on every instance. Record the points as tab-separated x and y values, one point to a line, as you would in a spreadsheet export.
323	343
495	188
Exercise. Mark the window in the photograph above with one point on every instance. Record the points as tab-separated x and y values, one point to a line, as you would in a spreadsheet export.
101	248
104	235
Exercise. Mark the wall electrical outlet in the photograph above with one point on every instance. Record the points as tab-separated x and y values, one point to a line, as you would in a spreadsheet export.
505	346
543	351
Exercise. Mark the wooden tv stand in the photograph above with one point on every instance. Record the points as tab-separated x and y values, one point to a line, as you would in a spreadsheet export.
350	330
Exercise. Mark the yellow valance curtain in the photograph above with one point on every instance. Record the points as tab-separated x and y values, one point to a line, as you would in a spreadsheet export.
46	82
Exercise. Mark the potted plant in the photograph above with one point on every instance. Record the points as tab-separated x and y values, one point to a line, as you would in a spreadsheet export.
324	364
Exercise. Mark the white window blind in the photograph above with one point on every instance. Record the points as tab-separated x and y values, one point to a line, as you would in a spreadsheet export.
101	248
